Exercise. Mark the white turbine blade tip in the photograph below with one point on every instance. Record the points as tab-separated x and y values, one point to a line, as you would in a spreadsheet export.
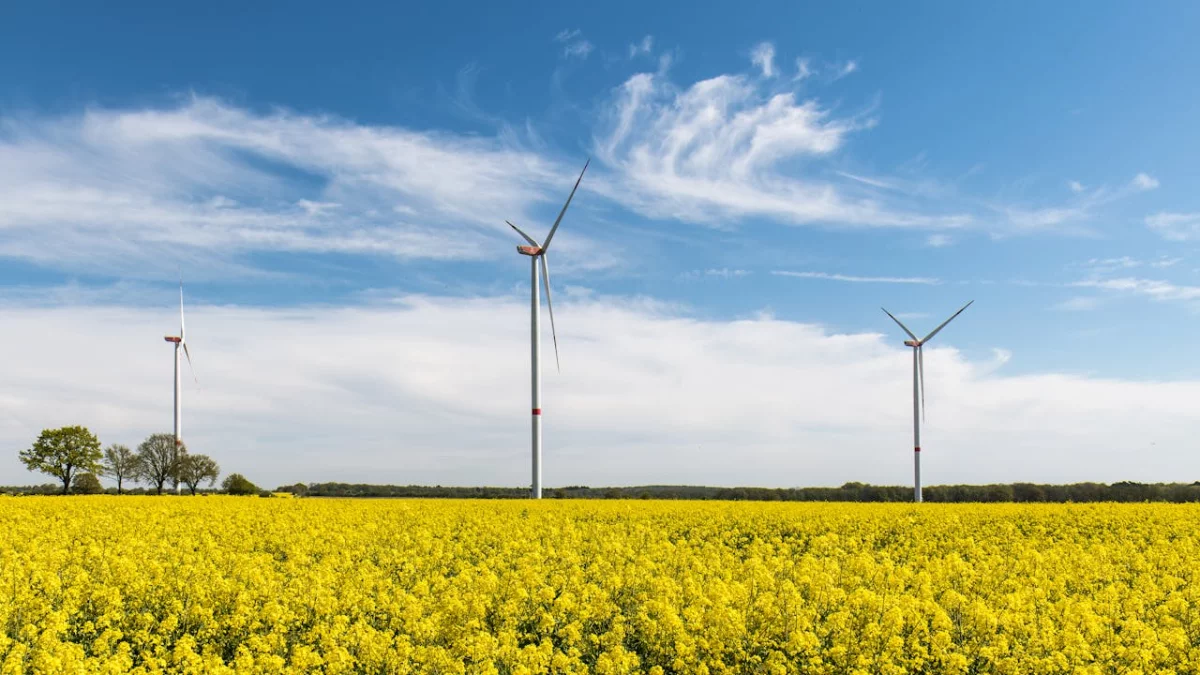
902	326
568	203
531	240
947	321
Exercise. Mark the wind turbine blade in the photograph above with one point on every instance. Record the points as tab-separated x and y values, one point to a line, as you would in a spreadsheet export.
182	335
935	330
189	359
906	330
550	305
531	240
564	208
921	377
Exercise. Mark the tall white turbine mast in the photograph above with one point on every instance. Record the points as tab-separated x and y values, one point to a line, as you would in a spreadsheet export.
536	253
919	390
180	341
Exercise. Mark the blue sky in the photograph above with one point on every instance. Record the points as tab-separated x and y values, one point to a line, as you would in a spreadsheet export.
763	167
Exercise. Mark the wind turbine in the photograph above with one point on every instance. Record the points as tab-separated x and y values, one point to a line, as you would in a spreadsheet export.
919	390
180	341
537	253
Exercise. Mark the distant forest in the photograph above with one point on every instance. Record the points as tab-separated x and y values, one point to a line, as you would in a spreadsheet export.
1124	491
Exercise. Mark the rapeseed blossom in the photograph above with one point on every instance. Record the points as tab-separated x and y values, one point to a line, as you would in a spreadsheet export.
241	585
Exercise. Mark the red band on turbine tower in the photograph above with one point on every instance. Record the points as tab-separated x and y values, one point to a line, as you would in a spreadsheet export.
917	449
537	411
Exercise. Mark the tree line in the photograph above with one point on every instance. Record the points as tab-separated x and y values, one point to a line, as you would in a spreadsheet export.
73	455
1123	491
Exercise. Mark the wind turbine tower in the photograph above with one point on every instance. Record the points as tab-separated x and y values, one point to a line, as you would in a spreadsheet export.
537	256
180	341
918	345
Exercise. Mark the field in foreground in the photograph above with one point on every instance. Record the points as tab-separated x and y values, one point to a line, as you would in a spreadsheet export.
222	584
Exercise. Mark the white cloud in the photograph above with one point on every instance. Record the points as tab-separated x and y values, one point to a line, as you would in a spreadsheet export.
842	70
412	391
857	279
938	240
829	72
803	69
1144	182
575	46
726	273
1044	218
763	57
1073	215
134	192
579	49
1124	262
1153	288
1165	262
1076	186
643	47
1101	265
726	148
1080	303
1175	226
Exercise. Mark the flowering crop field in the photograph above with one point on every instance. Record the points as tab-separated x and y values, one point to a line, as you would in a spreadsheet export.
225	584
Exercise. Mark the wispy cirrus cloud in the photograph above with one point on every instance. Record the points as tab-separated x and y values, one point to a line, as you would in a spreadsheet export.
857	279
718	273
1175	226
1156	289
828	72
1123	262
1105	265
133	192
804	69
733	146
574	44
1080	303
843	69
644	47
1075	214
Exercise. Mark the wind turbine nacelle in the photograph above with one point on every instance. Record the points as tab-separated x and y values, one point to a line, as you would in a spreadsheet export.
529	250
911	343
172	338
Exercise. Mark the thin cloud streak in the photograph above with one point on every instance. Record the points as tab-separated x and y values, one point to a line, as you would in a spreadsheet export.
1152	288
1175	226
858	279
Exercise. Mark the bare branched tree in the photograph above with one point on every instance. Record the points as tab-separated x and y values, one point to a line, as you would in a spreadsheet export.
158	460
119	463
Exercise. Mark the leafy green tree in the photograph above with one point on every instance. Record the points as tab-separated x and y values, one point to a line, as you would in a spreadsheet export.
197	469
119	463
158	460
299	489
86	484
237	484
63	452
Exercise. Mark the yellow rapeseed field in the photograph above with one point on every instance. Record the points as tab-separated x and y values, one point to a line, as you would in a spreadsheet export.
248	585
